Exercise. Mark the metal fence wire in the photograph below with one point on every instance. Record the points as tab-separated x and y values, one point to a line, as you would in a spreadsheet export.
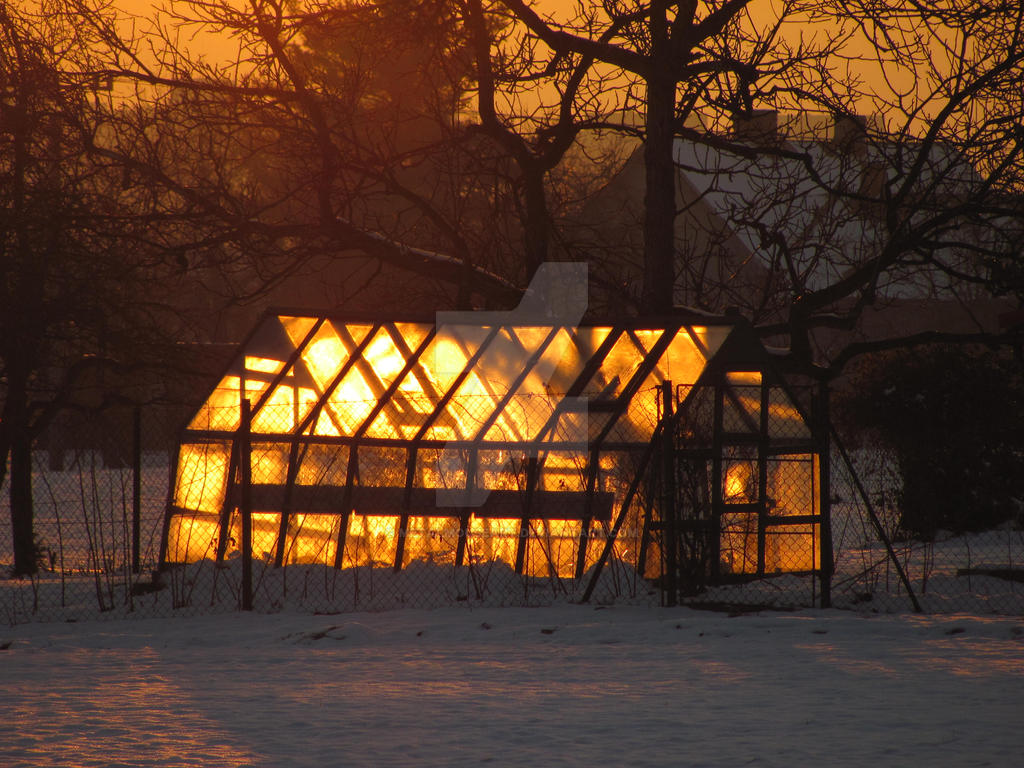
102	482
739	503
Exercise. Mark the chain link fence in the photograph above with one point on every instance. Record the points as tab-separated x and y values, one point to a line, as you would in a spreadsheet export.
879	566
746	481
101	487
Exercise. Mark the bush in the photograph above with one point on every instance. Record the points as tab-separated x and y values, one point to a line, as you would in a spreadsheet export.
954	418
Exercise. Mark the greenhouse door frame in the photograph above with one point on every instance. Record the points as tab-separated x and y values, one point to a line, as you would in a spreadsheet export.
697	508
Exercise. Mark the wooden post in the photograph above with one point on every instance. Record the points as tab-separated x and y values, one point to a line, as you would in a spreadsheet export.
172	489
403	519
227	508
136	488
460	546
245	507
346	504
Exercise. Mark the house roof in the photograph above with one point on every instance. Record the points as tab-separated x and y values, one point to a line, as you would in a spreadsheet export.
806	213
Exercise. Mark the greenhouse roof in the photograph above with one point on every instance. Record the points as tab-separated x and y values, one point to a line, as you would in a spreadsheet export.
480	383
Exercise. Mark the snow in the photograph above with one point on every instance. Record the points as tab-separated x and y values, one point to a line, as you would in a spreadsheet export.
826	235
562	685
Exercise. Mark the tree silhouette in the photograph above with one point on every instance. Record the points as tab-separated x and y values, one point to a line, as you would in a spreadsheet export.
931	184
352	167
85	284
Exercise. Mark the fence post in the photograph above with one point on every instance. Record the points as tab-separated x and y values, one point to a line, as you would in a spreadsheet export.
136	488
670	511
245	463
826	555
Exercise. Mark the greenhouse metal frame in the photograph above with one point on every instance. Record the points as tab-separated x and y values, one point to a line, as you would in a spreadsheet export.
357	441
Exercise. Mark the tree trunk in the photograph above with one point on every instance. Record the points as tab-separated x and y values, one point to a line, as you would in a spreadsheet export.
22	528
659	197
20	478
536	223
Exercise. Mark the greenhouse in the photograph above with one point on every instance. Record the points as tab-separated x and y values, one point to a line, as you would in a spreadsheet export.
677	449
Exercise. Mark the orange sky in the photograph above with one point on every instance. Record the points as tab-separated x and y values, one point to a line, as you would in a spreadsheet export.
219	47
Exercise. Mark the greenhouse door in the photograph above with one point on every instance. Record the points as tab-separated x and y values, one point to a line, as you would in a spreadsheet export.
743	499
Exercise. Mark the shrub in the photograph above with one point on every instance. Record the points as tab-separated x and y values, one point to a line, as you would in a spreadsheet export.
954	418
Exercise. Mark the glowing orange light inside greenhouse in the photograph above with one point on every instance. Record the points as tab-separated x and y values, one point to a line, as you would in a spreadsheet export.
324	358
737	482
494	406
263	364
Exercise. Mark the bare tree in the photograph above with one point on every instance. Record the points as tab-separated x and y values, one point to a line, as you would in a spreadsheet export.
685	57
943	167
923	199
83	288
536	128
313	139
337	159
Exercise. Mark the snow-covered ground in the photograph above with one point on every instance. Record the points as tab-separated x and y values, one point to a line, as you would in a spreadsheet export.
564	685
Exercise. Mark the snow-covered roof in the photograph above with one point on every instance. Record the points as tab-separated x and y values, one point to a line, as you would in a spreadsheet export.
806	210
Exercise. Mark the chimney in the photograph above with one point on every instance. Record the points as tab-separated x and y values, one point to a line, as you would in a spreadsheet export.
849	133
761	126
